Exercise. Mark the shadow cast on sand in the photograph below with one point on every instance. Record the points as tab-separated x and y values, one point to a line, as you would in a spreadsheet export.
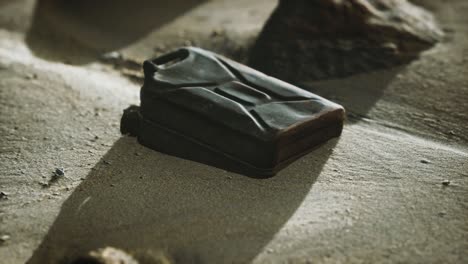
144	201
357	94
76	32
5	2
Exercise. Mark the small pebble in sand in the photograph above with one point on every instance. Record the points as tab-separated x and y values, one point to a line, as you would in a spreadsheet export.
446	182
113	55
59	172
3	195
4	238
159	48
217	32
31	76
425	161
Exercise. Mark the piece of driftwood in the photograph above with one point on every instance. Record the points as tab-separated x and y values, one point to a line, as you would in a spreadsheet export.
322	39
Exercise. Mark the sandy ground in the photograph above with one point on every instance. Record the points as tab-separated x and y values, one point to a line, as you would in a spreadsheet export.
376	194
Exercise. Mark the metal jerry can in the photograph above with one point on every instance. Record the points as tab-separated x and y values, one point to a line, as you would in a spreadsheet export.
201	106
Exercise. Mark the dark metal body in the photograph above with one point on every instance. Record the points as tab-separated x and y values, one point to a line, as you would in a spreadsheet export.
201	106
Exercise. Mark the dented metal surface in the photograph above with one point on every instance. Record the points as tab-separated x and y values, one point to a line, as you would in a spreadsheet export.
202	106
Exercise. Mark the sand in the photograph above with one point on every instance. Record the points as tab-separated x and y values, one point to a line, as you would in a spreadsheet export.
378	193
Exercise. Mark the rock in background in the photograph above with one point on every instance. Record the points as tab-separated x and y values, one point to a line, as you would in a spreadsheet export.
323	39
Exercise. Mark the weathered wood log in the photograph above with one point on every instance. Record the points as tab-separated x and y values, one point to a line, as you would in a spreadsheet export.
322	39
